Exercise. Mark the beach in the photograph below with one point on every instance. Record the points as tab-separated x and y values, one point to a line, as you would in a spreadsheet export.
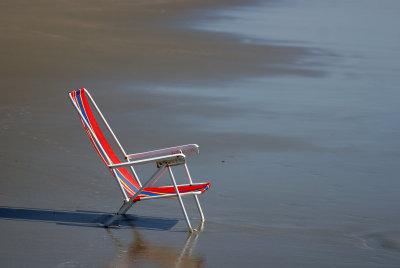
294	105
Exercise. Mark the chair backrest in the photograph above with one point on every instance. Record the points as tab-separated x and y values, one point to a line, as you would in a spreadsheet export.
79	98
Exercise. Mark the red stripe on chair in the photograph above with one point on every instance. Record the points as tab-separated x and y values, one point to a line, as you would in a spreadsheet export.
157	191
126	177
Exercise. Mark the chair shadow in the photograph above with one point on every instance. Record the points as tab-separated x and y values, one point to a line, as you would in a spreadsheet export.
82	218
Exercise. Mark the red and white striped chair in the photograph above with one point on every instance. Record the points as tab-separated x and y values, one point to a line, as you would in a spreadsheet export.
124	173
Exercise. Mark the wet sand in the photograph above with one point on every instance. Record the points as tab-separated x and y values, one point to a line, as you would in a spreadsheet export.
160	82
50	175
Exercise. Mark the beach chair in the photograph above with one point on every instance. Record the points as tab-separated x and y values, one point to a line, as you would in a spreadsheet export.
124	173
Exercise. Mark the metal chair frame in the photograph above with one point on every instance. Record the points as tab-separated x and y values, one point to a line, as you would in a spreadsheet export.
164	158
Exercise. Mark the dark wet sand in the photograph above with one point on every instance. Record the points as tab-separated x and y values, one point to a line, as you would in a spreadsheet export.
54	192
48	167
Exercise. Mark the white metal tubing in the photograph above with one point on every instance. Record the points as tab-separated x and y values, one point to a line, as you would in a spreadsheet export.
113	218
183	185
87	125
115	139
149	160
196	198
180	199
136	176
188	149
153	178
127	205
120	185
187	173
156	178
93	135
169	195
106	123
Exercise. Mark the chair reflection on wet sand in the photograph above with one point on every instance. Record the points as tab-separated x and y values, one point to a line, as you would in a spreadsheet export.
141	252
124	173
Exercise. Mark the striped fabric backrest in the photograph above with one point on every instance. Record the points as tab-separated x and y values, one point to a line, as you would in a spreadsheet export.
100	143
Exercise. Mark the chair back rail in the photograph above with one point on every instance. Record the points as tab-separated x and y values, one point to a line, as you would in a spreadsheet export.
127	182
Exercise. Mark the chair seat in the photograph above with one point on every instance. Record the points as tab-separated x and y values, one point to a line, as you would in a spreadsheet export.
153	192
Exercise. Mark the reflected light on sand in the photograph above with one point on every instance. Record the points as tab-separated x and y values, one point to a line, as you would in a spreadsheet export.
141	252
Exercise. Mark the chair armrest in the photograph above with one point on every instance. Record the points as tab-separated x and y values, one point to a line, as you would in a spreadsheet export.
175	159
189	149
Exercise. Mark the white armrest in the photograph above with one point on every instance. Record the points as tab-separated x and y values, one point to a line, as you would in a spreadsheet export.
190	149
173	159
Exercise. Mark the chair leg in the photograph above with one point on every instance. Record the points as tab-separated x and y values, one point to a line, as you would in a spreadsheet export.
199	208
113	218
195	197
180	200
127	205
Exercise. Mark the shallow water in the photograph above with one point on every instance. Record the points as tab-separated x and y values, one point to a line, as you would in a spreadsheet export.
310	163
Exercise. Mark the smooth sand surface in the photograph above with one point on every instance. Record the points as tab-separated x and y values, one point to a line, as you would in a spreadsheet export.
118	50
292	181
